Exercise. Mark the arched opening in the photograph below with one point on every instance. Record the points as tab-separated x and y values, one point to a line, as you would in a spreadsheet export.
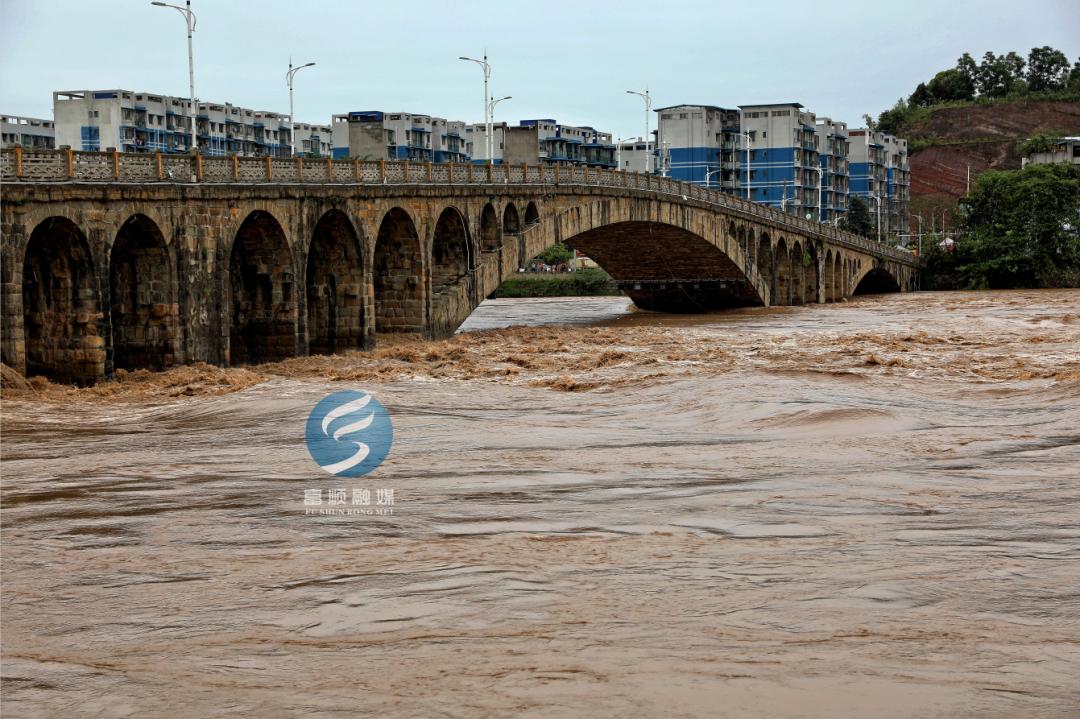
490	241
262	297
827	280
397	268
765	259
61	307
876	282
798	275
838	278
449	250
532	215
782	289
694	275
511	219
811	277
142	298
335	286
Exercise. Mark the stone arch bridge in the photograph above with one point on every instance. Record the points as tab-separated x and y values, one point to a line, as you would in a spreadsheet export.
116	261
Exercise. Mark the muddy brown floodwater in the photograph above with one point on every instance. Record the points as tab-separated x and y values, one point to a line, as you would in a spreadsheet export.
867	509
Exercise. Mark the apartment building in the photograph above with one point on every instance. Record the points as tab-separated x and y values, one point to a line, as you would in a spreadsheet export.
633	155
833	158
476	142
311	140
29	133
897	185
868	179
132	121
377	135
545	141
700	144
784	167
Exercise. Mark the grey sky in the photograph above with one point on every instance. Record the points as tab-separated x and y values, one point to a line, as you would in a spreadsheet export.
570	61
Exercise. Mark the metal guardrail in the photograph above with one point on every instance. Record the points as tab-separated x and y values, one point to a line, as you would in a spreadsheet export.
55	166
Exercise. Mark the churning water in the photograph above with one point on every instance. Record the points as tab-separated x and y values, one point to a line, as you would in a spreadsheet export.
863	509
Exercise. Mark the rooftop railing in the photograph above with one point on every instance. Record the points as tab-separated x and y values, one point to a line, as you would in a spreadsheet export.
70	166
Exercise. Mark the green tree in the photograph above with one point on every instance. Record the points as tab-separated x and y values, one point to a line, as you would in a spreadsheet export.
922	97
857	219
1022	229
1048	69
994	77
894	120
555	254
951	85
968	70
1074	78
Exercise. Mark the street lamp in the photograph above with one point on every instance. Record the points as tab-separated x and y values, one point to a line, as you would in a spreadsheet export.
292	123
189	18
488	105
648	109
708	174
877	198
491	115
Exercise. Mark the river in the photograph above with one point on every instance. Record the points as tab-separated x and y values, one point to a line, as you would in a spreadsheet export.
853	510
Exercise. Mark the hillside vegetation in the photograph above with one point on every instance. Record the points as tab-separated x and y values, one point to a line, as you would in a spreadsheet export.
974	116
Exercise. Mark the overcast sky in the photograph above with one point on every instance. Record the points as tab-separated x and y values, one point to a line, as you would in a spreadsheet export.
570	61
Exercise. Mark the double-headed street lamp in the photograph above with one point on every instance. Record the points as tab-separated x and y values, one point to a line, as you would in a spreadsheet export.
648	109
189	18
292	124
488	104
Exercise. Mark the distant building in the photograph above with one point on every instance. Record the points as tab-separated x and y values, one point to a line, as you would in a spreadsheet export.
1067	149
632	154
783	170
312	140
376	135
476	140
132	121
700	144
833	158
547	142
881	176
29	133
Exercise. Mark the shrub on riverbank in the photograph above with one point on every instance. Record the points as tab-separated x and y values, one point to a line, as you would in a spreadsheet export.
589	282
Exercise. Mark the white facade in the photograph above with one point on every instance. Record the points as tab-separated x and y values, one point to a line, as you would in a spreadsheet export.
133	121
476	135
633	154
30	133
1067	149
312	140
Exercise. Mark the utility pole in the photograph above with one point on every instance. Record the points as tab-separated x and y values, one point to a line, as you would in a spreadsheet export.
487	100
292	122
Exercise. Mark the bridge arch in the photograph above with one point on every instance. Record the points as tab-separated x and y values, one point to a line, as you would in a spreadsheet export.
828	279
764	260
798	274
782	288
61	305
336	295
262	308
532	214
143	306
397	274
490	236
838	278
511	219
451	255
811	276
876	281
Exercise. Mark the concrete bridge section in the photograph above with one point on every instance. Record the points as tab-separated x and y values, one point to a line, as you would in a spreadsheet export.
114	261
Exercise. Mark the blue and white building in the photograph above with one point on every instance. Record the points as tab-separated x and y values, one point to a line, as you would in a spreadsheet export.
783	169
377	135
700	144
833	158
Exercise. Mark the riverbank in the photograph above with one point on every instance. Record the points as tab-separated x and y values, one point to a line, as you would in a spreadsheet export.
588	282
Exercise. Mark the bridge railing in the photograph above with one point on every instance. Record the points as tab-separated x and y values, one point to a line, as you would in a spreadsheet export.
37	166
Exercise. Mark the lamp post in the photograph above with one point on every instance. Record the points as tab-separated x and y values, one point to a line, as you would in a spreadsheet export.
877	199
486	67
708	174
292	123
491	124
648	109
189	19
